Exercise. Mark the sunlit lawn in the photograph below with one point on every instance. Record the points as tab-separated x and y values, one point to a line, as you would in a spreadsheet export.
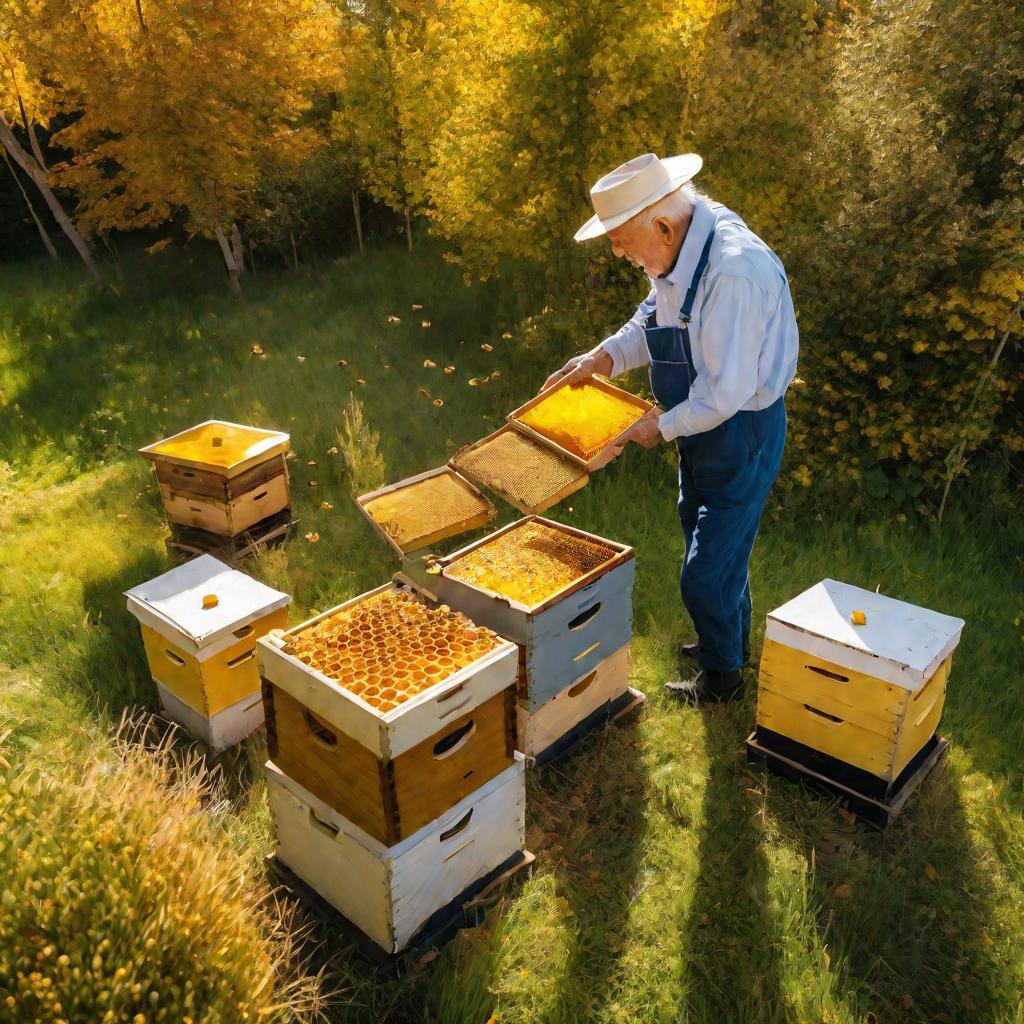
672	882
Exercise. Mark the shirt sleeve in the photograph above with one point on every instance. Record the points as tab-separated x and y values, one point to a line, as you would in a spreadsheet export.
628	345
733	317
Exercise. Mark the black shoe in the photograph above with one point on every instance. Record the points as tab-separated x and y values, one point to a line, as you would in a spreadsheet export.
692	652
708	687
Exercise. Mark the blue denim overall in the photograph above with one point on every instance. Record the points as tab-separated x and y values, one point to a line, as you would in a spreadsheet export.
725	475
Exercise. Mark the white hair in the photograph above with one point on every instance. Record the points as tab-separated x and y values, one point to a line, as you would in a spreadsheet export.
677	206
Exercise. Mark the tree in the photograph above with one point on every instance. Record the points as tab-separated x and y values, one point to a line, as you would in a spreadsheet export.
175	103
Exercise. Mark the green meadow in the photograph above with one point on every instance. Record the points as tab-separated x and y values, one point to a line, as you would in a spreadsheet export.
672	882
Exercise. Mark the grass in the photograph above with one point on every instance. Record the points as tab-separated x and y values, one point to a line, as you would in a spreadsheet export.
672	883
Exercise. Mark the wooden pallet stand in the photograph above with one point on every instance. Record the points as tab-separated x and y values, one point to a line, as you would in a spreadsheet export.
799	763
619	711
466	910
191	541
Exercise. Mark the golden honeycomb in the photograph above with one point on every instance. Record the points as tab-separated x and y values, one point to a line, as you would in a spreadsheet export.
521	469
583	418
392	646
419	513
529	563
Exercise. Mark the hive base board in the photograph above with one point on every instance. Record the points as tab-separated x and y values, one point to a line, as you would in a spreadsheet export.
877	812
190	540
616	712
220	731
467	910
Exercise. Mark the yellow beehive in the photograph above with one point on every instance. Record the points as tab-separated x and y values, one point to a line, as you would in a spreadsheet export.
200	623
221	477
868	695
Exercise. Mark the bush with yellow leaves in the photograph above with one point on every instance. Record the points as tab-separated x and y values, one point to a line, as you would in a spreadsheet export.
118	902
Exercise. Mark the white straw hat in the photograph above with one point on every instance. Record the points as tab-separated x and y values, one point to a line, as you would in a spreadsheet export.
632	187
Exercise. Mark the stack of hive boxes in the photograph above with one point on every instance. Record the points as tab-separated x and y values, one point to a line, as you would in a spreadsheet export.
852	685
564	597
200	623
393	777
224	486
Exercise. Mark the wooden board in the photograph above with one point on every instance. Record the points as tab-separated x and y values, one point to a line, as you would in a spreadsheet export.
208	484
619	711
390	800
228	518
191	541
877	811
218	731
540	728
390	734
243	447
390	893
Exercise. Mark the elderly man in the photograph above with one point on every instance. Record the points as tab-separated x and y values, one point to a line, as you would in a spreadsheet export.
719	334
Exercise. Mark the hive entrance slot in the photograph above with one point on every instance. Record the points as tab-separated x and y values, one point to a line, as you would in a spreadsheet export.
241	659
824	714
458	827
828	675
454	741
583	684
584	617
320	731
174	659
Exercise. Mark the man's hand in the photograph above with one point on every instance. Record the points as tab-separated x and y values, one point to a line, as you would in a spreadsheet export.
645	432
581	368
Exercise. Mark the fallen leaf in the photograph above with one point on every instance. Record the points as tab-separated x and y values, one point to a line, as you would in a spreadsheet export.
312	537
474	381
907	1002
314	483
326	506
429	364
486	348
844	891
439	402
256	350
332	450
449	370
122	515
426	323
301	359
931	873
291	455
392	319
311	462
506	336
416	306
343	363
495	374
423	391
705	919
359	380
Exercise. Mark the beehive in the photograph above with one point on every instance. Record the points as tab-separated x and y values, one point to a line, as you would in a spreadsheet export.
200	623
563	595
582	421
424	509
868	696
390	892
527	473
542	728
220	477
390	710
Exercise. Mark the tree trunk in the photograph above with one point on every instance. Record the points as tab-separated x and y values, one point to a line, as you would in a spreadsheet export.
237	248
28	164
295	252
43	234
408	229
359	220
229	260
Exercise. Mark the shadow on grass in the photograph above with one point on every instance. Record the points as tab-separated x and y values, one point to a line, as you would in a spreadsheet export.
907	914
730	944
590	806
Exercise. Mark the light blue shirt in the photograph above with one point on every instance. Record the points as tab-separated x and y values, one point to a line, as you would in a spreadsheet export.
743	334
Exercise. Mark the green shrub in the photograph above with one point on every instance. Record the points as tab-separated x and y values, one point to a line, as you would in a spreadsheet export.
120	903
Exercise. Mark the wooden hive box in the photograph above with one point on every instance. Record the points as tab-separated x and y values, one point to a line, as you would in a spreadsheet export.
566	633
540	729
388	770
203	658
221	477
868	696
389	892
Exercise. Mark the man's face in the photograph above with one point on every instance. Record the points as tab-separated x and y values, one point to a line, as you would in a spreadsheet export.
650	246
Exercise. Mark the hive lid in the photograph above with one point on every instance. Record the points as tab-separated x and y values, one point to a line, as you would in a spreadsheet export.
527	473
421	510
900	643
175	600
581	421
218	446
